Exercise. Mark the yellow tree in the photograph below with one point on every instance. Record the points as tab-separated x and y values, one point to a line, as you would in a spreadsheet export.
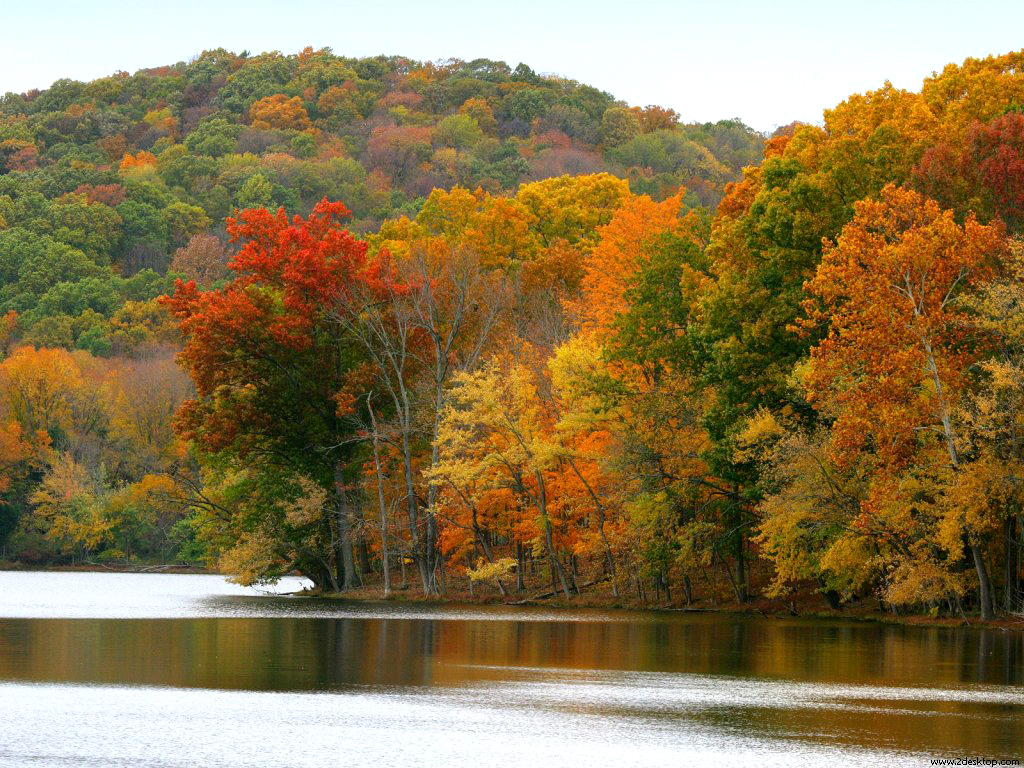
143	397
993	416
586	437
573	207
38	388
495	434
804	526
67	507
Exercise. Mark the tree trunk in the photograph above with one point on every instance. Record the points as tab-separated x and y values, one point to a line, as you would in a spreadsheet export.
830	595
364	558
984	585
485	546
412	509
432	551
609	558
322	577
380	501
344	545
728	573
1012	577
556	567
520	567
357	575
742	590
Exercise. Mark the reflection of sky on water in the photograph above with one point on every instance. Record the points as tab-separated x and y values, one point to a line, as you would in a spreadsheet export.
98	595
172	670
496	725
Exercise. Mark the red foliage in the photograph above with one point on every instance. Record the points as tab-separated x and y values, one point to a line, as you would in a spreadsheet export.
311	260
986	175
265	352
996	152
107	194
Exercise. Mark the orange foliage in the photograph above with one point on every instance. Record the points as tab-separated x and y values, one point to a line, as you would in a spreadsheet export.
280	113
898	347
619	253
140	159
13	451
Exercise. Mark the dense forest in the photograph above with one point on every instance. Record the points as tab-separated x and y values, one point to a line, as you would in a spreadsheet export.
123	171
456	326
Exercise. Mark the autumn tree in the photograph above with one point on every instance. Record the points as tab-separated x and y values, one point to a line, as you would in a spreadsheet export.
39	387
279	112
432	318
495	434
202	260
984	174
270	370
991	417
15	453
897	354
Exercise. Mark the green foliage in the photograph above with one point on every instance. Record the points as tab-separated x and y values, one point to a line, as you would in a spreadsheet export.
618	125
111	176
458	131
214	136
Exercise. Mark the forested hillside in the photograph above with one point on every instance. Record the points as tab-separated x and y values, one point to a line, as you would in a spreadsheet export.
470	328
101	182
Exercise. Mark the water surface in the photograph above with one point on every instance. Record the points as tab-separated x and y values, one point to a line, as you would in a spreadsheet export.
182	670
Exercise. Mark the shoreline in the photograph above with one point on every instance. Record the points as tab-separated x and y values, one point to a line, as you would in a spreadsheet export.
757	607
103	568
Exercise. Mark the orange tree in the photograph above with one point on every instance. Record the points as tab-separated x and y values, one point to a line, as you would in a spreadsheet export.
899	349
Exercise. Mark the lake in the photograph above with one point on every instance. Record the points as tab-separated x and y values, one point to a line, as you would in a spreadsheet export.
104	669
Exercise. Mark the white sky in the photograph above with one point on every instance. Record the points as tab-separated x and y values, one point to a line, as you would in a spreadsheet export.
768	62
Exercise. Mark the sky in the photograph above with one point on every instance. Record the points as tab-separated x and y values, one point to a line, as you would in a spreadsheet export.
768	62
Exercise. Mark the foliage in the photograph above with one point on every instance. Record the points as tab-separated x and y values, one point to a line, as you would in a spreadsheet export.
566	342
